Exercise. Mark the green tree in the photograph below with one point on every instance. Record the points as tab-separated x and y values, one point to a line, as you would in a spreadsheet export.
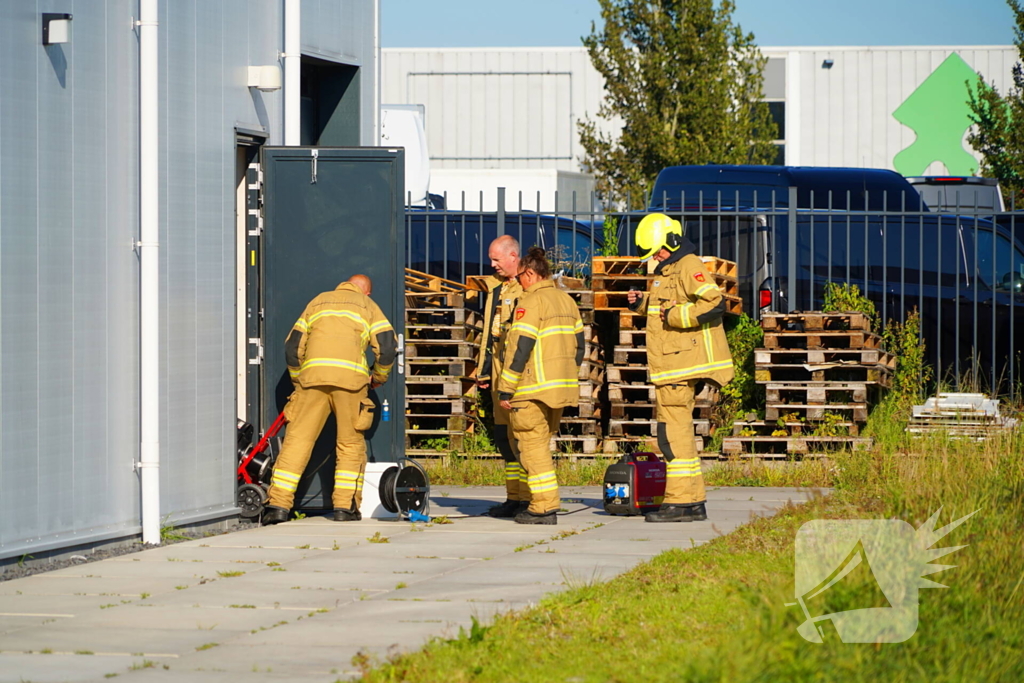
1000	142
685	83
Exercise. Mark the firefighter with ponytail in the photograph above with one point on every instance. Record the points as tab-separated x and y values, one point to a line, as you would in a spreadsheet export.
686	347
539	378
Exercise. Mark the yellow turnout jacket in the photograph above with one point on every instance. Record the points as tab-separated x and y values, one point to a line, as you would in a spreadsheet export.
544	349
327	344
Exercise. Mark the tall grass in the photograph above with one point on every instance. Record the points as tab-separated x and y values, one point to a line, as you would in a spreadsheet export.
718	612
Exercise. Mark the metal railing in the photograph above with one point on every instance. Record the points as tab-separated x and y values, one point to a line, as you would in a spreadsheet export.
961	270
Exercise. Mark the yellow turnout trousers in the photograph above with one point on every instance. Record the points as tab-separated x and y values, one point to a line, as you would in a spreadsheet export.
516	486
533	425
684	482
307	411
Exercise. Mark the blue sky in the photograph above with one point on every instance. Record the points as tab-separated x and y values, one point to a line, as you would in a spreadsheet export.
528	23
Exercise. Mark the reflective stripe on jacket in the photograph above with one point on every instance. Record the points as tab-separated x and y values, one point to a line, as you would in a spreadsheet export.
544	349
692	344
327	344
501	304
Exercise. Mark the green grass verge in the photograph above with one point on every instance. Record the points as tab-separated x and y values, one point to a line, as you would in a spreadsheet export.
469	470
717	612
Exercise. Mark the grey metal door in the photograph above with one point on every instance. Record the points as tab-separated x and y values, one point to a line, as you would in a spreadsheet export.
330	213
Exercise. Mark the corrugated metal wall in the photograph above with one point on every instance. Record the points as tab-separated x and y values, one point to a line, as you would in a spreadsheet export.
518	108
68	274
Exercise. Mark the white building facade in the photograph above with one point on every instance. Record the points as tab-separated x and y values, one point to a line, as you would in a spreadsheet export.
517	109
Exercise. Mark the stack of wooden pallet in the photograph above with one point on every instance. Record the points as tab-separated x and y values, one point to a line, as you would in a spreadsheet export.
822	372
966	416
580	428
632	418
442	338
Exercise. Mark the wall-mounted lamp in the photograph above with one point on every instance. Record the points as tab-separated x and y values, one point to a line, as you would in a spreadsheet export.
56	28
266	78
827	64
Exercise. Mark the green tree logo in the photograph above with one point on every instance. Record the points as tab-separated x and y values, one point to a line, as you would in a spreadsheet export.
940	115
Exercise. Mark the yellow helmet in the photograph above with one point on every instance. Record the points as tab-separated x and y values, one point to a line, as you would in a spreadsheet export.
657	231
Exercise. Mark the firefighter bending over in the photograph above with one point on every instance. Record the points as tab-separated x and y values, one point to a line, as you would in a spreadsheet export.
539	378
326	355
685	345
502	299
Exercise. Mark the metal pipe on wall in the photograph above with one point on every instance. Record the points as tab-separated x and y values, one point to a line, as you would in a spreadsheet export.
292	72
149	270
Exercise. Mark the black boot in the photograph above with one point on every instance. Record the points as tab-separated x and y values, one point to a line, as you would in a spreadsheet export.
506	510
697	512
527	517
677	512
274	515
342	515
669	513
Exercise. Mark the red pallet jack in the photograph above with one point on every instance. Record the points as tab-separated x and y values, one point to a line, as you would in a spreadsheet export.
256	464
401	488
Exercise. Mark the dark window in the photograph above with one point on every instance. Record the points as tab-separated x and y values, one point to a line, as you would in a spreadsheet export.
778	112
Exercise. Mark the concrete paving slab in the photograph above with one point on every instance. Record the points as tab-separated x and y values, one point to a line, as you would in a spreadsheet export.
335	594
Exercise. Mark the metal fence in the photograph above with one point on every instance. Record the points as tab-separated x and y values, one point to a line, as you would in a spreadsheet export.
962	270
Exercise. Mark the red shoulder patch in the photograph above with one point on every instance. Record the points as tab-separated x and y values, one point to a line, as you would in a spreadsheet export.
520	312
699	277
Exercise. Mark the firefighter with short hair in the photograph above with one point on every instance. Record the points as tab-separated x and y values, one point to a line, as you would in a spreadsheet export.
686	347
502	298
540	378
326	356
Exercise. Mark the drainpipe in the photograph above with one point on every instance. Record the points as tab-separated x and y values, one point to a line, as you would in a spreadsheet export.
149	271
292	72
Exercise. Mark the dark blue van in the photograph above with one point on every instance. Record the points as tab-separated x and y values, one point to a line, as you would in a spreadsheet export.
453	244
794	229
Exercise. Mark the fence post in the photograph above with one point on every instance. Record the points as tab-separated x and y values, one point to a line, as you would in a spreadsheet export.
501	211
791	289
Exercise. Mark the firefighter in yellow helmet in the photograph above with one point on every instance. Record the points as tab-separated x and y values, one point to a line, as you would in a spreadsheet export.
540	378
686	347
502	300
326	355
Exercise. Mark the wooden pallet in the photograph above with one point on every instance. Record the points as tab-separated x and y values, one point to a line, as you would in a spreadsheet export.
429	299
819	392
866	357
584	298
855	412
418	333
585	408
631	393
440	348
591	371
418	439
439	367
589	390
633	338
630	356
613	445
843	339
586	445
765	428
782	446
621	283
627	375
417	281
578	426
617	265
815	321
451	423
435	386
424	405
719	266
442	316
830	373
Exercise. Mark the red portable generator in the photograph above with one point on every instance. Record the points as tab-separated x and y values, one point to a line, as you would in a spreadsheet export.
634	485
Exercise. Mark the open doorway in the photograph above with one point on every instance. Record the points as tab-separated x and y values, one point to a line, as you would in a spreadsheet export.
248	307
